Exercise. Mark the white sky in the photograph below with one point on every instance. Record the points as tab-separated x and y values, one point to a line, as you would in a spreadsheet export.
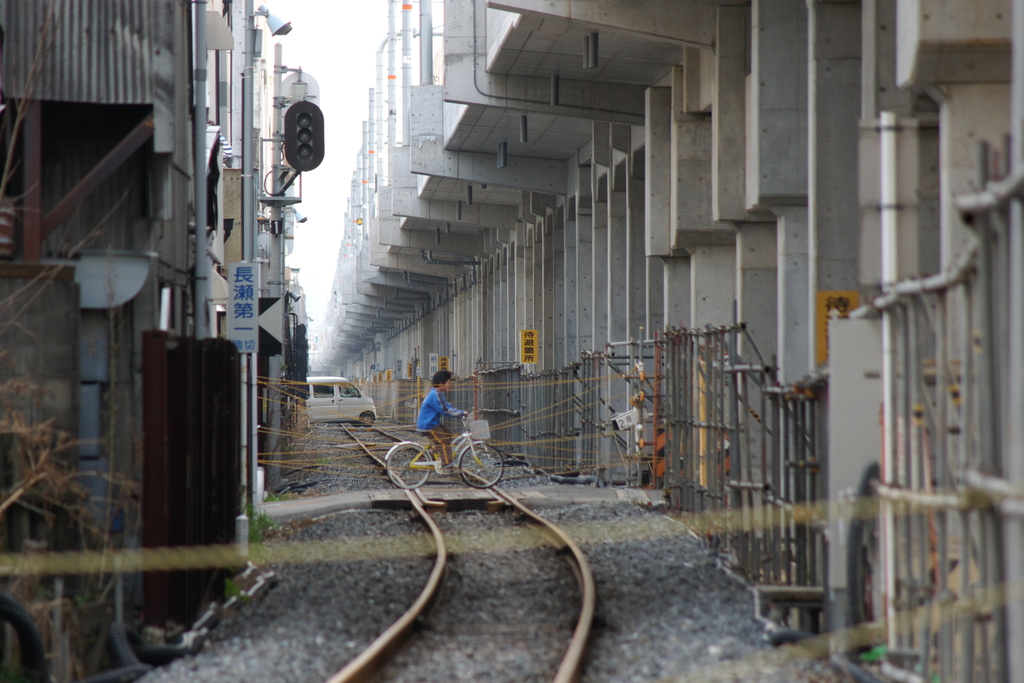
336	41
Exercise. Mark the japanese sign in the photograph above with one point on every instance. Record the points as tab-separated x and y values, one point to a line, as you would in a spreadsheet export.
387	375
442	363
831	304
408	371
242	311
528	346
433	364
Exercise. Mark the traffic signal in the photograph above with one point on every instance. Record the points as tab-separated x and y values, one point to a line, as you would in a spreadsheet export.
304	136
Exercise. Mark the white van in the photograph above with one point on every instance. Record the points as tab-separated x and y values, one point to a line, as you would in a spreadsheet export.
335	399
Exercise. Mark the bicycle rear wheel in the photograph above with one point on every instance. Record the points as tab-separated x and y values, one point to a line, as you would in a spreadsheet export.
480	465
400	460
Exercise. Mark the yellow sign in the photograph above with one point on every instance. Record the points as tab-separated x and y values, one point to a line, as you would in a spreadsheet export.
528	346
387	375
408	371
831	304
442	363
359	221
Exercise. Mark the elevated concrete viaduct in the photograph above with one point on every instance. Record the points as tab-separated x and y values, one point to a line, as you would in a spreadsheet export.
600	172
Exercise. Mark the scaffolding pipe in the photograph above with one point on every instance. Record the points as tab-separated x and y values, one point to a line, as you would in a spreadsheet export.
887	136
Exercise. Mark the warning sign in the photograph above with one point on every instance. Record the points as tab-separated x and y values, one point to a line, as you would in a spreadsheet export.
528	346
831	304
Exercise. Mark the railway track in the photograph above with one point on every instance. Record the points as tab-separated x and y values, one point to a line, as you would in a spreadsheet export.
519	633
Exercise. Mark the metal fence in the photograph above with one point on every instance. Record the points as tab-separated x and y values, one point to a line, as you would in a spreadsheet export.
948	579
683	412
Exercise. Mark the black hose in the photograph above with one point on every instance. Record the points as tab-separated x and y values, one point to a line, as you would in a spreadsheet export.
784	636
158	655
127	665
856	597
33	654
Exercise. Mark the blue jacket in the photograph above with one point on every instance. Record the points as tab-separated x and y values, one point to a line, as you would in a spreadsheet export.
433	407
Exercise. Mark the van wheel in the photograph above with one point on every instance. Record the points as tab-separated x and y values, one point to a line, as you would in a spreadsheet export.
367	419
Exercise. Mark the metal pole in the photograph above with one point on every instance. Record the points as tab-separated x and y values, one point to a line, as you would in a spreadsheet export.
201	287
248	160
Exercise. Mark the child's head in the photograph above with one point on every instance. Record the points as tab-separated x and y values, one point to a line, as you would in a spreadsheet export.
440	377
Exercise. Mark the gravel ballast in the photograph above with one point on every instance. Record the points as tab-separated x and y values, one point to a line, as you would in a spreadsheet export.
667	611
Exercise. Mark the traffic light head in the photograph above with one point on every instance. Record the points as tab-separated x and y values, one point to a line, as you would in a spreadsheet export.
304	136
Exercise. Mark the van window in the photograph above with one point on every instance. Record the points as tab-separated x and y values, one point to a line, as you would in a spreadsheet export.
323	390
349	391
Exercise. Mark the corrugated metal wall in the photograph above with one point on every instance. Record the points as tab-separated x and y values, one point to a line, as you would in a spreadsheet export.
105	51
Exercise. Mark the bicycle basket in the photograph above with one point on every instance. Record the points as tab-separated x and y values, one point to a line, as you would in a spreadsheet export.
480	429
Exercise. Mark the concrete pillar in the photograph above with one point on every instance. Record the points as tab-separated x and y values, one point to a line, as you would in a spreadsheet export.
600	276
636	257
657	170
728	121
617	279
676	291
558	286
584	281
570	287
834	109
549	285
777	104
970	114
654	281
756	287
794	325
712	285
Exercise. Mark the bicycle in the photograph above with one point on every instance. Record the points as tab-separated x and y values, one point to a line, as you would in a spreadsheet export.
409	463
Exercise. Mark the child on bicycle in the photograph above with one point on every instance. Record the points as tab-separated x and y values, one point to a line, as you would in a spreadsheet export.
429	420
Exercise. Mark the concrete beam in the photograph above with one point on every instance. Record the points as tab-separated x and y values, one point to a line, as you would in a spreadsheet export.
686	23
962	42
466	80
429	157
398	281
776	172
404	202
393	236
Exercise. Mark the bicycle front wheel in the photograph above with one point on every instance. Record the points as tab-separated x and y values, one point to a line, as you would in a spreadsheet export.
403	465
480	465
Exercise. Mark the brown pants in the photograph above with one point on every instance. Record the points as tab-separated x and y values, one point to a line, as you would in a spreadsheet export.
442	438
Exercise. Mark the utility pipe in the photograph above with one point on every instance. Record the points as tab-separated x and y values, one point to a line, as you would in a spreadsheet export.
426	43
364	153
392	77
887	135
1013	528
201	286
406	69
372	151
379	116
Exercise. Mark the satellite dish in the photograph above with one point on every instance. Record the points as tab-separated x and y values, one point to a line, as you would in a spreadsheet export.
299	85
